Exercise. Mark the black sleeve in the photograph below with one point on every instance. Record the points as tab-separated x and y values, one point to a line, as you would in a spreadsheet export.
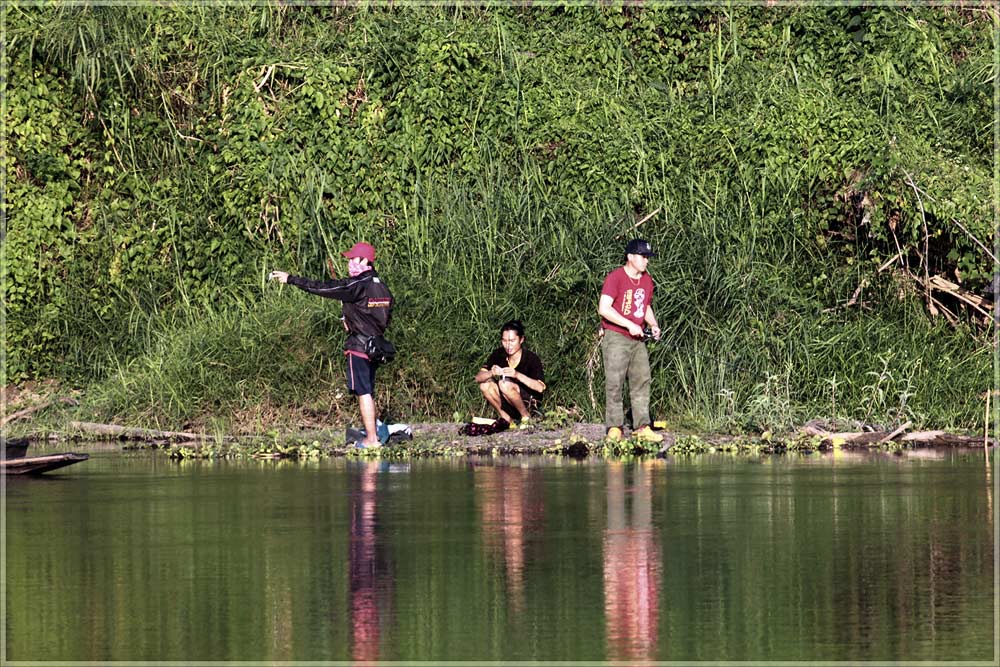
343	289
531	365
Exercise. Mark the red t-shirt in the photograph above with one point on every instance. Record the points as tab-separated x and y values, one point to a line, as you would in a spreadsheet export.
630	297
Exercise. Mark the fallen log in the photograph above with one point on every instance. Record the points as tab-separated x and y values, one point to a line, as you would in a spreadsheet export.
924	438
943	439
145	434
896	432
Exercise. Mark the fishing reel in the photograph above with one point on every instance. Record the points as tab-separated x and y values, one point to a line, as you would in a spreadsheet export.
660	343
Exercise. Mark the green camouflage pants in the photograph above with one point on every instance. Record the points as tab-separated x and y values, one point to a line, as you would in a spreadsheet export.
625	357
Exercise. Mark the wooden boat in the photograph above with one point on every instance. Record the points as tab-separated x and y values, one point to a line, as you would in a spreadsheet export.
16	448
36	465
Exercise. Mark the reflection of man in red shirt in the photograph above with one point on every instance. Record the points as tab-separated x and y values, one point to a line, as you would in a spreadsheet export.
632	569
366	568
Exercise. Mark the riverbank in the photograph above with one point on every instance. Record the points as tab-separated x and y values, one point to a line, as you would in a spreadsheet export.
443	439
46	413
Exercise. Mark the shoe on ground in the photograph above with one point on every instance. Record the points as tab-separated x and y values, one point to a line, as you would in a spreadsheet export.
361	445
614	434
525	423
647	434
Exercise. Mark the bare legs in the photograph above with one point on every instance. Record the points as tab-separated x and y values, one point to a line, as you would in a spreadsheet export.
494	389
367	405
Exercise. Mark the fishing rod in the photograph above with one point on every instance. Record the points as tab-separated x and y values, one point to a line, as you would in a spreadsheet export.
660	344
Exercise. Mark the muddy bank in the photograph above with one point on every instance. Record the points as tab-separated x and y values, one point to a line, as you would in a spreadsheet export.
578	440
47	412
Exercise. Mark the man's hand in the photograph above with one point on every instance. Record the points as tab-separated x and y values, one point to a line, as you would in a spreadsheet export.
634	330
280	276
656	332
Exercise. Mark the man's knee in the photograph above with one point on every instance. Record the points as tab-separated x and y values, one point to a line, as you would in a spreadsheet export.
489	388
509	388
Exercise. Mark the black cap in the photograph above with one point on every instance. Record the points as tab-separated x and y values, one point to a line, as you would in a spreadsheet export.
639	247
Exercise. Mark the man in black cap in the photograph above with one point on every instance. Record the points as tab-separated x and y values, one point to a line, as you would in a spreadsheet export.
367	311
625	308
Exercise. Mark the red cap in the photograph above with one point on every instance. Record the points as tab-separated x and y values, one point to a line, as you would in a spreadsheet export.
361	250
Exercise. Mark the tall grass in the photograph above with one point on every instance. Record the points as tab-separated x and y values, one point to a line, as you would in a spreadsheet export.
280	349
547	164
745	344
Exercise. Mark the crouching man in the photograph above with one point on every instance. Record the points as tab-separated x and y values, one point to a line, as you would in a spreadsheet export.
512	378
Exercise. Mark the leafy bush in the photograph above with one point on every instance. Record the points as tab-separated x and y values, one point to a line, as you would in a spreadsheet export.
163	159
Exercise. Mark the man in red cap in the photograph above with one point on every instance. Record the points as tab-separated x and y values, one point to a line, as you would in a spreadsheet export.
367	311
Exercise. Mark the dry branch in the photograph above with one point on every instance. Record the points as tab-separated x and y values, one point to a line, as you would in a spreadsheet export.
926	257
864	283
925	438
592	358
636	225
145	434
986	423
977	241
979	303
21	414
897	432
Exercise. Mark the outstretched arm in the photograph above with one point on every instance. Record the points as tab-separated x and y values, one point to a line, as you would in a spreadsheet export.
485	374
343	289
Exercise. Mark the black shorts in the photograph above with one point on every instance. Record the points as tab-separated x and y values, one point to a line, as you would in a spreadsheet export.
360	375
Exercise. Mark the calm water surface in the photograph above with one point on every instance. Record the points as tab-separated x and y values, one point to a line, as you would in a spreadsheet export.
135	557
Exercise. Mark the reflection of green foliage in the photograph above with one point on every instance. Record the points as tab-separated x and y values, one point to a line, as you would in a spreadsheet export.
163	159
252	561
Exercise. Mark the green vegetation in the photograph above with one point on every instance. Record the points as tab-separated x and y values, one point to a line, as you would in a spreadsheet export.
808	167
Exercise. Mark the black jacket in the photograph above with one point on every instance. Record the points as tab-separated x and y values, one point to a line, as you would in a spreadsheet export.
367	304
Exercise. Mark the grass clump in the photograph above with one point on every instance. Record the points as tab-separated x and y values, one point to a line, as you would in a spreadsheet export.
209	367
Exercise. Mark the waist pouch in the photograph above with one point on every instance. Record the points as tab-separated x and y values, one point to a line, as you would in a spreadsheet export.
379	350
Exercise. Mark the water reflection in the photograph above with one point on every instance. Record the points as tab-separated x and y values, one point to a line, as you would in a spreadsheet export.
632	564
371	582
989	492
701	559
512	506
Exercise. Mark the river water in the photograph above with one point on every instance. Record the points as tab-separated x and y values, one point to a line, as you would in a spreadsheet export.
825	557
